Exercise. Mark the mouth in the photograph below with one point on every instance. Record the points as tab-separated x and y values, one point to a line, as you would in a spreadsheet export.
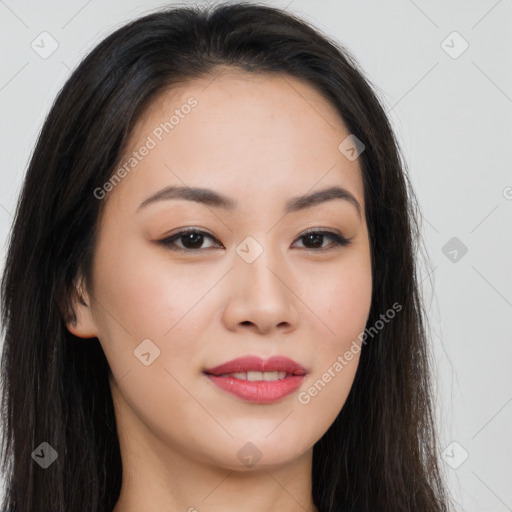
253	376
256	380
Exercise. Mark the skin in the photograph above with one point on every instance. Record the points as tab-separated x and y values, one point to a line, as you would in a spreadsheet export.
179	433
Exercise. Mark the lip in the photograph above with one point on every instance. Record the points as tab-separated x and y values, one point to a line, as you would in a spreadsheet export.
257	364
263	392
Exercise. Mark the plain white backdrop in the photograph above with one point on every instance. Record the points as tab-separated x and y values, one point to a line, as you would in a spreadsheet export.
443	72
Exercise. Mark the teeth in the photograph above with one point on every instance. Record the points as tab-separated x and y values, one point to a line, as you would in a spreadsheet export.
257	376
254	376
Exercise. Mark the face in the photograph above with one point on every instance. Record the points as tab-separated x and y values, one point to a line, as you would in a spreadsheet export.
259	273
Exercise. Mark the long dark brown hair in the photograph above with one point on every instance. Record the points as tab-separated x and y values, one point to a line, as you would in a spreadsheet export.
380	453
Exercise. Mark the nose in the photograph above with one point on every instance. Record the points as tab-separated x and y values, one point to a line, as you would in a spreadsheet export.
261	298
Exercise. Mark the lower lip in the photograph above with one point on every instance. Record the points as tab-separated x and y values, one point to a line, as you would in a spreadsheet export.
262	392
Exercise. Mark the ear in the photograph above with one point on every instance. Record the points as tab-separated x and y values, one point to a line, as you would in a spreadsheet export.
81	322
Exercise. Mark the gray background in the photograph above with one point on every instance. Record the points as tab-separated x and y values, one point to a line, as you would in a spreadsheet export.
451	112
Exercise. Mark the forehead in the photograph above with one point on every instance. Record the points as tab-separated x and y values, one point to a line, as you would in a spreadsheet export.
267	131
245	100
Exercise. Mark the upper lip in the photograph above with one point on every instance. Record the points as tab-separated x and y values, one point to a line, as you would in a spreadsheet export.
257	364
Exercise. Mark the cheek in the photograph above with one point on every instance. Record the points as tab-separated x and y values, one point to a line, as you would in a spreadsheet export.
144	290
141	297
340	295
148	299
343	305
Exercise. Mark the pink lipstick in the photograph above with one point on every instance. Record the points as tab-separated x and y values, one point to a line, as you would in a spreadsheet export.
257	380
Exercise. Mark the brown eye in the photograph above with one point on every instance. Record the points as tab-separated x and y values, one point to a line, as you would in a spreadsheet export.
190	239
314	240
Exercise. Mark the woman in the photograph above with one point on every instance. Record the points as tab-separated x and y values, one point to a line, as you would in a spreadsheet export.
210	298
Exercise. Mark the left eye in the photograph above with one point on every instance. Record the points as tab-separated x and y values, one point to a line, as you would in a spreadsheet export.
317	237
192	240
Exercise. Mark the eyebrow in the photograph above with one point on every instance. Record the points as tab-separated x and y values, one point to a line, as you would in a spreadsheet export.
216	200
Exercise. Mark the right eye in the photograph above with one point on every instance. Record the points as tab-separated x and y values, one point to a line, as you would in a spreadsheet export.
191	240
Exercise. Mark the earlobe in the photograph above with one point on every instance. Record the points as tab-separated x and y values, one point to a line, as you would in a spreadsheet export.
82	323
82	326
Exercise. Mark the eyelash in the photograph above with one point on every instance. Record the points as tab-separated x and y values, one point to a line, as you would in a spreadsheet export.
339	241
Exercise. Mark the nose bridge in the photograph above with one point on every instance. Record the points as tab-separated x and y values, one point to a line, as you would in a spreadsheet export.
262	295
259	268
